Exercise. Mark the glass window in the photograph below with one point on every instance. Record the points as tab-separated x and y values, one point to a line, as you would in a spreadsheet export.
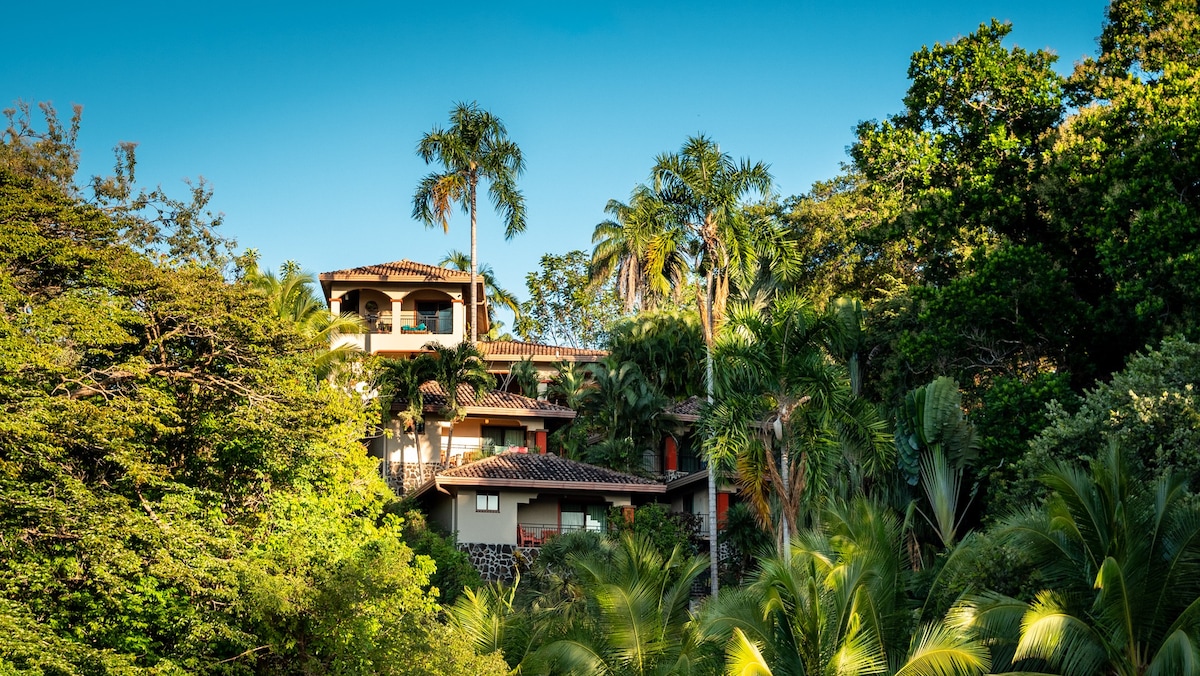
583	517
487	501
503	437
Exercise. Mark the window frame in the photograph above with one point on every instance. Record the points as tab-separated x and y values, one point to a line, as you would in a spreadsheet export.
487	495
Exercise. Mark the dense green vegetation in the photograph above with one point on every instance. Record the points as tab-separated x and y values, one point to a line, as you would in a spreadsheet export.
179	491
955	386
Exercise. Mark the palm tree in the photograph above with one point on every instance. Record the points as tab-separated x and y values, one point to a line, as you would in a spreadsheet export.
402	379
934	444
291	298
474	147
458	366
704	188
457	260
1121	556
627	410
639	247
779	388
637	619
837	605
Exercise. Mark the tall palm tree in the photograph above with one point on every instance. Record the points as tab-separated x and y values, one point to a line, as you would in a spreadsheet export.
461	365
291	297
637	619
705	188
779	388
1121	557
837	605
474	147
458	260
639	247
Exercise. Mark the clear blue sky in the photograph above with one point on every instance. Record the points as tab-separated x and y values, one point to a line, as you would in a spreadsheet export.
304	116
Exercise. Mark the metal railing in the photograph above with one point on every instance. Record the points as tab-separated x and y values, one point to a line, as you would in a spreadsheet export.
409	322
536	534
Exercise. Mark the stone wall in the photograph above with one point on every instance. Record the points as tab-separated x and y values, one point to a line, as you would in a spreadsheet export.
405	476
499	563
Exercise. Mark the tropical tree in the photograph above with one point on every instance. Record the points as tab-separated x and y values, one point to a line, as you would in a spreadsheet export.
704	188
637	619
457	260
837	605
626	409
565	307
474	147
402	380
780	391
641	250
459	369
1121	559
668	345
934	444
291	297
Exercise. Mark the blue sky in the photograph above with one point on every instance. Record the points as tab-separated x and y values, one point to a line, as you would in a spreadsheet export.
304	116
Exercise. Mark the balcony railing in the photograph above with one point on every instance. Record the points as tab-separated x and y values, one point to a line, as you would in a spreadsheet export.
536	534
410	322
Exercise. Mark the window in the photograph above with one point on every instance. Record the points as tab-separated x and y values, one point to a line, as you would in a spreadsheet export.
503	437
437	316
487	501
583	517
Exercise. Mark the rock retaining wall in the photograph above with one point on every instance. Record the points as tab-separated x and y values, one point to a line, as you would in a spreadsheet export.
499	563
405	476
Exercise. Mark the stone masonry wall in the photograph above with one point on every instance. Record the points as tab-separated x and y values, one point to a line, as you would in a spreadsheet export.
499	563
405	476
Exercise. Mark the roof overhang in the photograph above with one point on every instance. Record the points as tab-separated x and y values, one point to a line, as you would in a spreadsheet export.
594	486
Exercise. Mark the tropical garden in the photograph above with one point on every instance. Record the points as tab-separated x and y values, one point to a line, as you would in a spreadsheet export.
954	386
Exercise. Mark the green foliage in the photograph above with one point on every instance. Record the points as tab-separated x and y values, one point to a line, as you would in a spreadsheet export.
637	615
746	540
836	605
966	150
1119	555
178	492
527	377
1150	410
1012	412
453	571
656	523
668	347
623	407
564	307
785	413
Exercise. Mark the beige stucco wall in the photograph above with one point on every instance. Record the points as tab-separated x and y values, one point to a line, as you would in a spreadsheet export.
489	527
544	511
402	447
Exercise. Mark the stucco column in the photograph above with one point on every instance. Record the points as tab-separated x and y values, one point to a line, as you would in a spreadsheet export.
460	316
539	440
335	306
396	305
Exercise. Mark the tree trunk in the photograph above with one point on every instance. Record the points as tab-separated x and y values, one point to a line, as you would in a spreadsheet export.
449	445
472	312
713	549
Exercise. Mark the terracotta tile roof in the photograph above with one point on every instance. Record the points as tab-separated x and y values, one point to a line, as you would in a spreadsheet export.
687	410
518	348
403	269
549	467
495	401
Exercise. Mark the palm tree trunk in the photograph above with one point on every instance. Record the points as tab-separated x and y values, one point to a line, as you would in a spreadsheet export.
449	445
713	550
472	313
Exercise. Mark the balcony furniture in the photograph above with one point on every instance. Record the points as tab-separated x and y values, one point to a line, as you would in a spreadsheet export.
527	538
